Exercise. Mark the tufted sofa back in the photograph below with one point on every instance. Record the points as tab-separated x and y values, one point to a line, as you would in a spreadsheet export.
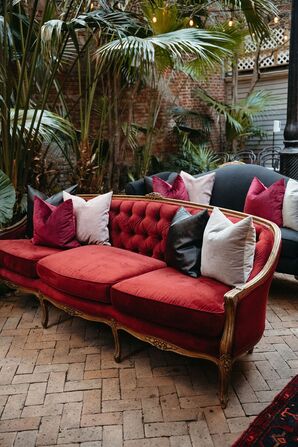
142	226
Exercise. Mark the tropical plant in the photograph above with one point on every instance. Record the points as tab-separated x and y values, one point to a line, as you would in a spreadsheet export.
7	199
240	117
25	85
116	55
151	58
132	55
190	157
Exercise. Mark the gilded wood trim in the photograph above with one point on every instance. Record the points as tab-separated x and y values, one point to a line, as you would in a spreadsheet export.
19	289
166	346
116	326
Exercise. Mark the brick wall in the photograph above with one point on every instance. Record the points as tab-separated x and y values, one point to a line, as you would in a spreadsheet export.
180	92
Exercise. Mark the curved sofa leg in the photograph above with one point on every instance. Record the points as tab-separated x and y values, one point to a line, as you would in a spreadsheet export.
45	312
117	351
225	361
225	369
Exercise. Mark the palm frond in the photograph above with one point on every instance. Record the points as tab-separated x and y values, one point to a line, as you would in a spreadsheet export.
254	103
142	53
221	108
50	126
7	199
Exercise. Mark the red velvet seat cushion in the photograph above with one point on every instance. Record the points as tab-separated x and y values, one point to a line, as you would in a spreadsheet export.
21	256
172	299
90	271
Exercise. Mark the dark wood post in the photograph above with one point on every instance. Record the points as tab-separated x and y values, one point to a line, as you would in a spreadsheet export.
289	155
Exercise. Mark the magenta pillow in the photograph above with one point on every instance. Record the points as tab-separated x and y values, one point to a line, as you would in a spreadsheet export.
54	226
175	191
266	202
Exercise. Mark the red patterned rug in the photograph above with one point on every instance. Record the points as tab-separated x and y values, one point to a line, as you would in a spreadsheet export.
277	425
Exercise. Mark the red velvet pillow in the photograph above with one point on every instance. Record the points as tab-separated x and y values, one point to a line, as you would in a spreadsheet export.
54	226
175	191
266	202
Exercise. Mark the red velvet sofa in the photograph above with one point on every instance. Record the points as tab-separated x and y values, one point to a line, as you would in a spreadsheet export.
129	287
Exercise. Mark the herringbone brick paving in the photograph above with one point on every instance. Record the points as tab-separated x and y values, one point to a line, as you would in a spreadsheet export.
61	386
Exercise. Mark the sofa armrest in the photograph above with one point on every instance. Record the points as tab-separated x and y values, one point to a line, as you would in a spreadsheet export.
15	231
246	307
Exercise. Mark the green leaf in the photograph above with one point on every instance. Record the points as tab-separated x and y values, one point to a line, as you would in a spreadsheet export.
7	199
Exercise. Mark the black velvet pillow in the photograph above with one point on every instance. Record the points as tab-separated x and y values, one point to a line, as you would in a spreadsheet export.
184	242
55	200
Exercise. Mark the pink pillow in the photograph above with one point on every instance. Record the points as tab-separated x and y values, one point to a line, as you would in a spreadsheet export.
175	191
54	226
266	202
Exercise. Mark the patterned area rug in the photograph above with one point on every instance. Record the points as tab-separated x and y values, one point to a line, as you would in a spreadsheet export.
277	425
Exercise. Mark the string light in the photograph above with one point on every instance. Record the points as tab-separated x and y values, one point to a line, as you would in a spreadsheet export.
286	37
191	22
154	19
231	22
91	7
276	19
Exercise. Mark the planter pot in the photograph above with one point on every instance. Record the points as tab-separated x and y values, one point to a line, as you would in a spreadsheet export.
15	231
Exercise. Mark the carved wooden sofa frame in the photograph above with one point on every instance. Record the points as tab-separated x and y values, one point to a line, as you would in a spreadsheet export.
232	299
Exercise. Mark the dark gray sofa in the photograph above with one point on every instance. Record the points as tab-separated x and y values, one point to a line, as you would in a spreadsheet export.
230	188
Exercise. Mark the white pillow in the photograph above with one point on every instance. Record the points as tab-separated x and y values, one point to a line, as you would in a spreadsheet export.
92	218
290	205
228	249
199	189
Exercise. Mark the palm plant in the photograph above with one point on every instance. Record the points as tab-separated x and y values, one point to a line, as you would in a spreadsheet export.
151	57
25	85
169	38
131	54
239	117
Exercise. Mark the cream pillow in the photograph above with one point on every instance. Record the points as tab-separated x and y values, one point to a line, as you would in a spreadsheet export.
199	189
228	249
92	218
290	205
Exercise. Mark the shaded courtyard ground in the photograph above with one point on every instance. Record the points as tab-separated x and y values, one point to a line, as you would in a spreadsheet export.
62	386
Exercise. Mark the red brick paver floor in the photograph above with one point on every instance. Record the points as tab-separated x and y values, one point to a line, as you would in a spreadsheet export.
61	386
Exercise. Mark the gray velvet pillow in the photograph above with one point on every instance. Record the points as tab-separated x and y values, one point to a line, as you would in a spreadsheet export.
228	249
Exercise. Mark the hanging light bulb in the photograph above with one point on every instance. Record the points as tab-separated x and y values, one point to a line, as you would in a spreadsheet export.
191	22
154	19
91	7
276	19
286	37
231	22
